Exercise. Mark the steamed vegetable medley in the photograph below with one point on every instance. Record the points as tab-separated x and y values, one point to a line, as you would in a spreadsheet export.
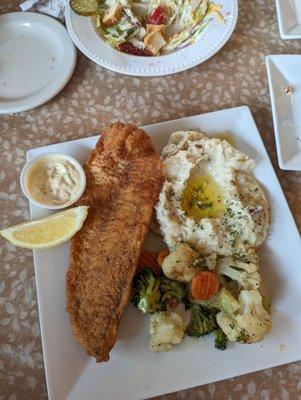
149	27
215	293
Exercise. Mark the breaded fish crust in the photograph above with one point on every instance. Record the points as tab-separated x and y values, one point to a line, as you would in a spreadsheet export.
124	178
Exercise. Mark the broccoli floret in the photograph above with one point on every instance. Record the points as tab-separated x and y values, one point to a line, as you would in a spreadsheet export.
146	292
151	293
202	321
220	340
172	290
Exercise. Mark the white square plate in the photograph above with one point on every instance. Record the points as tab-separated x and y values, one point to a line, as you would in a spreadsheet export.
289	18
285	70
134	372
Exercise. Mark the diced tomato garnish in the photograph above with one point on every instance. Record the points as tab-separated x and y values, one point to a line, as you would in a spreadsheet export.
158	16
129	48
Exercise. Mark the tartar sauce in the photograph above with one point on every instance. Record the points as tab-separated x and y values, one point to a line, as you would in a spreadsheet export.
53	180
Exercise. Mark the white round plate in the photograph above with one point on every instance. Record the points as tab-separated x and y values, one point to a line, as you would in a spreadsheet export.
37	59
213	39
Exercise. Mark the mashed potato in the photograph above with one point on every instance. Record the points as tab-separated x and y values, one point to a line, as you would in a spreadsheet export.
210	198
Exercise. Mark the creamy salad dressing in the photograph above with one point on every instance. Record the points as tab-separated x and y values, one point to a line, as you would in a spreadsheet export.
53	180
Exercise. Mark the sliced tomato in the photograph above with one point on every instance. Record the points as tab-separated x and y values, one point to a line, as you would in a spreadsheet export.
158	16
129	48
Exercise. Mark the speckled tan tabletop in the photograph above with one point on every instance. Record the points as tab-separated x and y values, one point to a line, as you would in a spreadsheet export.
94	98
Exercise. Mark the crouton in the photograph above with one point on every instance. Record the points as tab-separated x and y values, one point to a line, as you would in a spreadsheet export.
154	41
151	28
113	15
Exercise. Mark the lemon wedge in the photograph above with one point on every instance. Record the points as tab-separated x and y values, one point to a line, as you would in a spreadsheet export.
47	232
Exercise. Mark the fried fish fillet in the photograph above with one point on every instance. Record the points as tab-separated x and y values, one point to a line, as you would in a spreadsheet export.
124	177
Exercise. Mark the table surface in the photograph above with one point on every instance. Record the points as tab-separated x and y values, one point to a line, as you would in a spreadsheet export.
93	98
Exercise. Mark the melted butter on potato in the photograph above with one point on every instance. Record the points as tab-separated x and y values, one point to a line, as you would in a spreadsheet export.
227	137
202	198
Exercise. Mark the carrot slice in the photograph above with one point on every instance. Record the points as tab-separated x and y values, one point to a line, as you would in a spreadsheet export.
204	285
163	253
148	259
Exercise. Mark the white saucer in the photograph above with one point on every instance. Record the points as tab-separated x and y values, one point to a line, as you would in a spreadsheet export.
37	59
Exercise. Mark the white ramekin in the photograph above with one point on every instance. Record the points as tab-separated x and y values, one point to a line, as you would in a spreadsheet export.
30	163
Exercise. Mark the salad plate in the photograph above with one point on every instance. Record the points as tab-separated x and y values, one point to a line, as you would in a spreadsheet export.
285	90
209	41
37	60
133	371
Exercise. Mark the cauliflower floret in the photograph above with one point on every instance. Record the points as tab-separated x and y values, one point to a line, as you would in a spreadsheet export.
249	256
208	262
211	261
178	265
250	323
244	273
166	328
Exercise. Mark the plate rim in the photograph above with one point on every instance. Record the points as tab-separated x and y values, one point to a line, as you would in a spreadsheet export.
54	86
146	71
